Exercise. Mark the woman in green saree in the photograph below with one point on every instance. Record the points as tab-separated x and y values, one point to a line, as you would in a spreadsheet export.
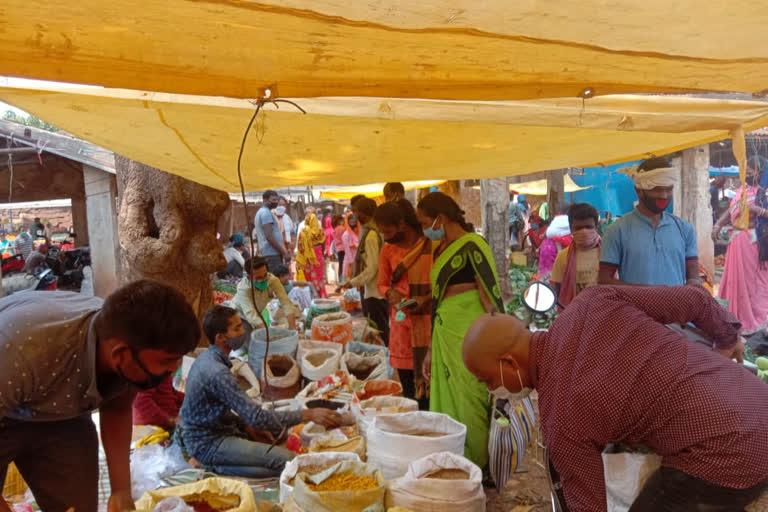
464	287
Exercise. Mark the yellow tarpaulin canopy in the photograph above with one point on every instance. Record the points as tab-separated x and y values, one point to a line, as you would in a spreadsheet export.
539	187
349	141
462	49
373	189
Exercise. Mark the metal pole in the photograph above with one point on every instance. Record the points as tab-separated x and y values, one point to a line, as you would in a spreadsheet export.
8	151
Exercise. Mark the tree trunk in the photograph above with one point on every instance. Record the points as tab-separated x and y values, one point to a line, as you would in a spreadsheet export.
494	196
167	230
695	199
555	191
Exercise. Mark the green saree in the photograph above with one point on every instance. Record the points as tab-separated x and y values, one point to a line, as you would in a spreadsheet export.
454	391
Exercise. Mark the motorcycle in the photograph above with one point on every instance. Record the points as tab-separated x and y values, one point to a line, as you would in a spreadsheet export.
68	265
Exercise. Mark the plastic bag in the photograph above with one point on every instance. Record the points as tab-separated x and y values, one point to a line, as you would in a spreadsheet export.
396	440
151	463
625	474
368	349
336	327
321	307
341	501
373	367
224	489
281	341
173	504
425	489
309	459
366	410
319	362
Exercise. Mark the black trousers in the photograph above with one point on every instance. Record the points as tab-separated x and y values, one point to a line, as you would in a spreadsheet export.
340	257
671	490
377	310
59	460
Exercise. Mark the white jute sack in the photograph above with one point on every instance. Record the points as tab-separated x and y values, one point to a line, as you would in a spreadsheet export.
366	410
307	500
305	345
319	362
308	459
371	367
394	441
291	377
625	475
417	491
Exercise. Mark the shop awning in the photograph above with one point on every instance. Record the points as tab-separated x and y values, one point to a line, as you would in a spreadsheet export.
462	49
373	189
539	187
349	141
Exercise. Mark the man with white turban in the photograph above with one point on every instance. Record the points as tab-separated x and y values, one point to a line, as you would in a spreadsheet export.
649	246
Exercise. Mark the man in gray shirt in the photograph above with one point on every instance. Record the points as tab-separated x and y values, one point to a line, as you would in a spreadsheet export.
268	234
64	355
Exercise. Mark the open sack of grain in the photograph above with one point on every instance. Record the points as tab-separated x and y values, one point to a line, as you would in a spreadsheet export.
311	464
348	486
441	482
221	494
336	327
318	359
394	441
367	410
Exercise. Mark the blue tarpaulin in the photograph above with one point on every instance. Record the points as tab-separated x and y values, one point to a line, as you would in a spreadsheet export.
610	192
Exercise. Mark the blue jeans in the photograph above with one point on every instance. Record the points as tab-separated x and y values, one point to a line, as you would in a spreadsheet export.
236	456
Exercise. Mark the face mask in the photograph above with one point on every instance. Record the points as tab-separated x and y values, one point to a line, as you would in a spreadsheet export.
238	342
399	236
152	381
280	210
261	285
655	205
534	226
586	238
288	287
434	234
502	393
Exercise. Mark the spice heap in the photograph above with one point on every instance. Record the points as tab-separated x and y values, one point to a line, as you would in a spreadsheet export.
345	481
449	474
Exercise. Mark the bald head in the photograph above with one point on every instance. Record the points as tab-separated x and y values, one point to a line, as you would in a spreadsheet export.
494	338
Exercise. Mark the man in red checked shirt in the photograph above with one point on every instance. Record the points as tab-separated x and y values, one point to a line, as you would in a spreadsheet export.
609	371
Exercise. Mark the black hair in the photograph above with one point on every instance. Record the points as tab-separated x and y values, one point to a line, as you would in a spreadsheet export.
656	162
149	315
337	219
283	198
258	262
366	206
437	203
391	213
355	199
238	244
394	187
267	194
216	321
280	270
582	211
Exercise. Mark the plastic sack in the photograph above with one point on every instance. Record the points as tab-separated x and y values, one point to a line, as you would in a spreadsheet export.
283	377
309	459
367	349
151	463
319	362
315	344
373	367
225	490
510	433
246	377
336	327
373	388
396	440
435	484
321	307
354	445
281	341
173	504
308	500
366	410
625	475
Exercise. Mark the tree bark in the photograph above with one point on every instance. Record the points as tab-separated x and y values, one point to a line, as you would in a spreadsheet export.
494	196
167	230
555	191
695	199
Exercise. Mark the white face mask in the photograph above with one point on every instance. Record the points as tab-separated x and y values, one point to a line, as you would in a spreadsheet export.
502	393
280	210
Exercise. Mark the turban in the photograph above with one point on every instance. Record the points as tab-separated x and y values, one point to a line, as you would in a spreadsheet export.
646	180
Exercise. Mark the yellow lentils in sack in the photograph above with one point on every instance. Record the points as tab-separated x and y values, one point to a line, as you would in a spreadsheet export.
345	481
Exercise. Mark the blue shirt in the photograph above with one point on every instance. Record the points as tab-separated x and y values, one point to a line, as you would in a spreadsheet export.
266	220
210	397
648	255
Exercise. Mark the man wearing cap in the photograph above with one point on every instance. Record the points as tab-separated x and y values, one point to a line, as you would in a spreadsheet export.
649	246
608	372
